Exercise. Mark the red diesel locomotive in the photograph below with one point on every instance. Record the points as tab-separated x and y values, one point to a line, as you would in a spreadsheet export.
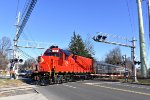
57	65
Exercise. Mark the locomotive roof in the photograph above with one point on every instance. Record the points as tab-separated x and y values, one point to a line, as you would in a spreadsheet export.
66	52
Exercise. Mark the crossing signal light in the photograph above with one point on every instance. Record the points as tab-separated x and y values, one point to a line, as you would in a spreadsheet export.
20	60
94	38
16	60
137	62
11	61
100	38
104	37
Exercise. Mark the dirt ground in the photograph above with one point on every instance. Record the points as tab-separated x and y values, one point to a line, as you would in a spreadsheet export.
4	83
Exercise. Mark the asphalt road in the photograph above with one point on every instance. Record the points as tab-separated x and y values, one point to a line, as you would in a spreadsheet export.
95	90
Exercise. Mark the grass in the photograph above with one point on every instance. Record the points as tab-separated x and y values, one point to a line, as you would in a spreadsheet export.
140	81
144	81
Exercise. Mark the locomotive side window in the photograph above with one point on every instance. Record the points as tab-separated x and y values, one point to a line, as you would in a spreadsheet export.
66	57
66	53
60	55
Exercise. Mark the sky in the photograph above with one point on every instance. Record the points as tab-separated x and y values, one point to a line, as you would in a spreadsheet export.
54	21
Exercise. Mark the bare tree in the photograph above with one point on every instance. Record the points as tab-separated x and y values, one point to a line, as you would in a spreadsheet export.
5	45
89	46
28	64
149	72
114	57
3	61
129	63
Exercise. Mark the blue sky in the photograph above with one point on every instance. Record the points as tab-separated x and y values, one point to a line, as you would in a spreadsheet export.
54	21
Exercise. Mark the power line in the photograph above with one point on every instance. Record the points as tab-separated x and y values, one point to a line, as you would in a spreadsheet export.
148	9
17	7
146	27
25	17
127	4
24	9
27	55
29	37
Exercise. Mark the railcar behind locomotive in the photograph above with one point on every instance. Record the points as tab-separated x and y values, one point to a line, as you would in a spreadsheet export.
57	65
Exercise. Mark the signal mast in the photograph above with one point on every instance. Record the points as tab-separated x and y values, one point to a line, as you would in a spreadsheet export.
19	29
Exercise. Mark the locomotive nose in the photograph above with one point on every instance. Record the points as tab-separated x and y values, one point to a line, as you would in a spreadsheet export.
40	59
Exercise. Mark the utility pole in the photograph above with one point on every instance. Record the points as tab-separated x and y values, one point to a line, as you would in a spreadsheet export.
125	68
141	40
19	28
133	59
15	53
15	41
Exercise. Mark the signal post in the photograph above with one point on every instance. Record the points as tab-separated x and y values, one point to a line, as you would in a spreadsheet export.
102	37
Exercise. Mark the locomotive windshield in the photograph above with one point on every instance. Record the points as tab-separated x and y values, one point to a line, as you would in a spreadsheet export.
50	52
56	52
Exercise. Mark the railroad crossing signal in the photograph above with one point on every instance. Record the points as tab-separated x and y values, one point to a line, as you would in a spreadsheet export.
100	38
16	60
137	62
105	38
112	39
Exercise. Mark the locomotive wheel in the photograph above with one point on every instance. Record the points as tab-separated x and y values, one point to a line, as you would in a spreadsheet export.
42	82
51	82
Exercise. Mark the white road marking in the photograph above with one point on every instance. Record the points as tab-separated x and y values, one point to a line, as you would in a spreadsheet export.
134	86
147	88
118	89
69	86
92	83
124	90
118	83
126	85
111	82
140	87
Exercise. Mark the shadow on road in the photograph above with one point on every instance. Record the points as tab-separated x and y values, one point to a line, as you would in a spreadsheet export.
28	81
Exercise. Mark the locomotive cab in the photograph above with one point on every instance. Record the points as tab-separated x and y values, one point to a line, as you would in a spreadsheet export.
52	51
53	57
